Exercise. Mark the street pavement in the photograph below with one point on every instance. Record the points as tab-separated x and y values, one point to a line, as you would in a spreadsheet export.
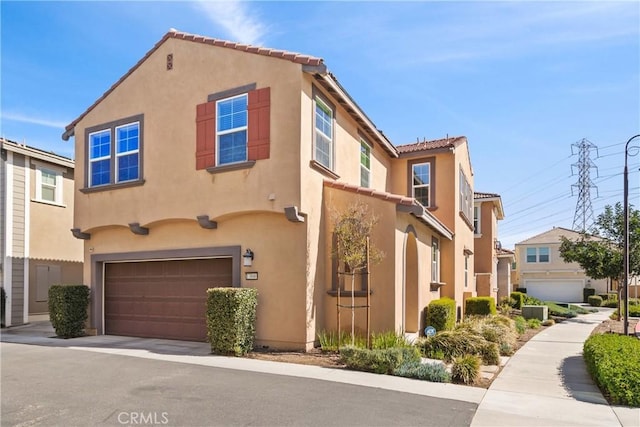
544	384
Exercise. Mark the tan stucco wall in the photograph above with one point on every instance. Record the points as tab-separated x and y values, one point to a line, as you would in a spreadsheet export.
50	236
486	261
168	101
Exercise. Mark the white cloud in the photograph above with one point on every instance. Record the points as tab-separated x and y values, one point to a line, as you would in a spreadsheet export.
34	120
236	19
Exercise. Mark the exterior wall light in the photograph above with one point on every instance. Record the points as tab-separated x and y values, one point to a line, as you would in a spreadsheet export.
247	258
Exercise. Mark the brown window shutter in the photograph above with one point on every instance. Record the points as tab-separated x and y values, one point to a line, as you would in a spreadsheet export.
206	135
259	110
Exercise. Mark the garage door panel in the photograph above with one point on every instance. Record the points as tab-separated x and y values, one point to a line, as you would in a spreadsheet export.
560	291
162	299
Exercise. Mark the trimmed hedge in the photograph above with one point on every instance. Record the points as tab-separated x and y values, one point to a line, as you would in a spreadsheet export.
231	319
594	300
613	360
518	298
441	314
482	306
379	361
68	309
634	310
586	293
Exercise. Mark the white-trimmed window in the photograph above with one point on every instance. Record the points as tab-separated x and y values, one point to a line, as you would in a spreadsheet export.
127	152
114	152
100	158
476	219
466	197
421	187
466	270
435	260
365	164
323	150
48	184
231	129
538	255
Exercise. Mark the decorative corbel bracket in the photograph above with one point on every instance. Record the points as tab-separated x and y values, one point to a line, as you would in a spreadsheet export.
137	229
205	222
79	234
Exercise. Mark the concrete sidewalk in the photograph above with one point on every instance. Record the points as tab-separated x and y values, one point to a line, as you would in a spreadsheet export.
546	384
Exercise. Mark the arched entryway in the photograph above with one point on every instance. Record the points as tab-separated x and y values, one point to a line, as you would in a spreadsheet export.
410	304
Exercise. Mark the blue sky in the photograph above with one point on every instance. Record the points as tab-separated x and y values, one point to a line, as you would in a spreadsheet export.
521	80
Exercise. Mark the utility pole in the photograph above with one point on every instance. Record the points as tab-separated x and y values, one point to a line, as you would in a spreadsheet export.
583	219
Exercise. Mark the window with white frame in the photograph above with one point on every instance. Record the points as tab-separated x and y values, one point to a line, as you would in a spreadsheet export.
231	129
476	219
435	260
365	164
466	197
421	187
538	255
114	152
48	185
323	151
466	270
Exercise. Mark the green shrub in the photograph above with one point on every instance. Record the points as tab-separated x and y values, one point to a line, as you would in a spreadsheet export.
613	360
518	298
549	322
634	301
534	323
594	300
634	311
586	293
610	303
441	314
451	344
581	310
529	300
482	306
388	339
379	361
466	369
506	349
490	353
559	311
231	319
68	309
434	372
521	324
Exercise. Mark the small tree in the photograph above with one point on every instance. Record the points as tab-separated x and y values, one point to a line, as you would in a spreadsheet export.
352	228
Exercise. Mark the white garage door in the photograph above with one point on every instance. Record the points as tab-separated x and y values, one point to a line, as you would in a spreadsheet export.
559	291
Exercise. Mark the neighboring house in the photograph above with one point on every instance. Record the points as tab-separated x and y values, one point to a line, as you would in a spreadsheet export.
543	273
212	163
506	259
36	198
487	211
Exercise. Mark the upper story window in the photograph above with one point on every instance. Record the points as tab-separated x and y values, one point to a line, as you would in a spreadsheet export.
232	130
323	151
435	260
421	173
466	270
114	152
365	164
49	183
476	219
540	254
466	198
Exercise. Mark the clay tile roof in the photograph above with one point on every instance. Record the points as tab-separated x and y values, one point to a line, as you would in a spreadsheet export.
395	198
451	141
478	195
174	34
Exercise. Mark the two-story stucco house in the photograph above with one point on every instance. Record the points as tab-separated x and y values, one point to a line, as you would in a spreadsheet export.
543	273
213	163
36	209
491	279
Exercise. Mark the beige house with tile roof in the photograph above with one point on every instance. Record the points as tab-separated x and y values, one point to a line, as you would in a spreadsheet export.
36	213
213	163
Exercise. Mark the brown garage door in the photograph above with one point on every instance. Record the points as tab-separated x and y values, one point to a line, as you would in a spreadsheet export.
162	299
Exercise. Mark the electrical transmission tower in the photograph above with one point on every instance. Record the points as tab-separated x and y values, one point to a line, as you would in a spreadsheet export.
583	219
